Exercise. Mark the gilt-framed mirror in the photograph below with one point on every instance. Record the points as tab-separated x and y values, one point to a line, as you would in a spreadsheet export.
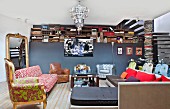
17	50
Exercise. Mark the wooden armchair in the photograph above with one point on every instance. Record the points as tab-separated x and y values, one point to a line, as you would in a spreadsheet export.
24	90
63	74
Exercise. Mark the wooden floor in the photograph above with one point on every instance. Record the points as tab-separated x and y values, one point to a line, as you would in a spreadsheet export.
59	98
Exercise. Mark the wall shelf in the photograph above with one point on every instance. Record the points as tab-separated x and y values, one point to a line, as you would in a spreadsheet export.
106	35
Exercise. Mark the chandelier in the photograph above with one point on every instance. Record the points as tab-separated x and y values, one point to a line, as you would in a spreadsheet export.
78	14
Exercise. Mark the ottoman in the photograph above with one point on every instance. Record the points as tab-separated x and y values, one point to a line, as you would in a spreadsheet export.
94	96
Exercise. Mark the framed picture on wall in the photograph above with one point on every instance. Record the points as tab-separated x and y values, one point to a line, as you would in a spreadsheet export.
129	50
138	51
119	50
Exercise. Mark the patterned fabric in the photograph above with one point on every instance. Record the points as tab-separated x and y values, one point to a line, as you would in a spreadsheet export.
26	80
82	68
33	71
23	89
48	80
26	92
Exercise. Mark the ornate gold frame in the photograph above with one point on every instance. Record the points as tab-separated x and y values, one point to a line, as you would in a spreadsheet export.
8	36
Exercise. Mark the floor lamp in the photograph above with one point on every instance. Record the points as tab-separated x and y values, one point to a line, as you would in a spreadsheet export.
114	68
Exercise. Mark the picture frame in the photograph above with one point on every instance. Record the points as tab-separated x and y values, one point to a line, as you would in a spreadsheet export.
129	50
119	50
138	51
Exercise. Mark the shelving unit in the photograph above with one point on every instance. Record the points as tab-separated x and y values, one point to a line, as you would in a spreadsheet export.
100	33
148	43
161	42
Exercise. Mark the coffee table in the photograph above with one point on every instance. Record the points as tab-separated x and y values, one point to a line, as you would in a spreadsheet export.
92	80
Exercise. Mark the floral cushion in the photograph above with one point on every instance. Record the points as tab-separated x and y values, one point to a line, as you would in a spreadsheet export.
26	92
26	80
48	80
33	71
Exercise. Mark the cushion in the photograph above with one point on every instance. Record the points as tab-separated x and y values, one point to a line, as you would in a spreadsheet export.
132	79
48	80
123	75
164	78
142	76
104	71
33	71
157	76
131	72
158	79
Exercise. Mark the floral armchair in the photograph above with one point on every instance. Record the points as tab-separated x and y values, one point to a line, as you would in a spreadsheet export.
24	90
82	69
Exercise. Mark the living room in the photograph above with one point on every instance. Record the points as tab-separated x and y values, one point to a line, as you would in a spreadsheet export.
114	37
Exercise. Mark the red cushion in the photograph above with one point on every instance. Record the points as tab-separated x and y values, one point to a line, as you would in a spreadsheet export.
131	72
158	79
142	76
164	78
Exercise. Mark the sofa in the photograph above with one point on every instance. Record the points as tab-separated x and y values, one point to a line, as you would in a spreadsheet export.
136	95
144	95
24	90
132	75
48	80
63	73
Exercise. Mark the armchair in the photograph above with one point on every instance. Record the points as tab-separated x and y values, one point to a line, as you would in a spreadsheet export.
104	69
63	74
24	90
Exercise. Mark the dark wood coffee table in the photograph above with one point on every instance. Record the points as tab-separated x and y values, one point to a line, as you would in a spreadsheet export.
91	79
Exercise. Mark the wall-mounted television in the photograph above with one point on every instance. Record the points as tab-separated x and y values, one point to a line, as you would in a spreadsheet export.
78	47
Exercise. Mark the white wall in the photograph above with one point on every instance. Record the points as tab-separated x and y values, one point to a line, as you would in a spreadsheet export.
10	25
162	23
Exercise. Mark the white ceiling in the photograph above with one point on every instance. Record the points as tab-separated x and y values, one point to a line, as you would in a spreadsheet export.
108	12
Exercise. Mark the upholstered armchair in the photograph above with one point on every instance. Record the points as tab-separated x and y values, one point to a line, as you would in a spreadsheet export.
24	90
63	74
104	69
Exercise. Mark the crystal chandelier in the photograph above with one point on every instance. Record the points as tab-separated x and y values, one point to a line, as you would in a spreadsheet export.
78	14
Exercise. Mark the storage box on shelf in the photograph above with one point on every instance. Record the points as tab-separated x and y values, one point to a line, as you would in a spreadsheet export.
101	34
148	47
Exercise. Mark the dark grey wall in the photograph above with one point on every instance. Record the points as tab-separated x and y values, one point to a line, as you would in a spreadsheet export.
121	61
45	53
